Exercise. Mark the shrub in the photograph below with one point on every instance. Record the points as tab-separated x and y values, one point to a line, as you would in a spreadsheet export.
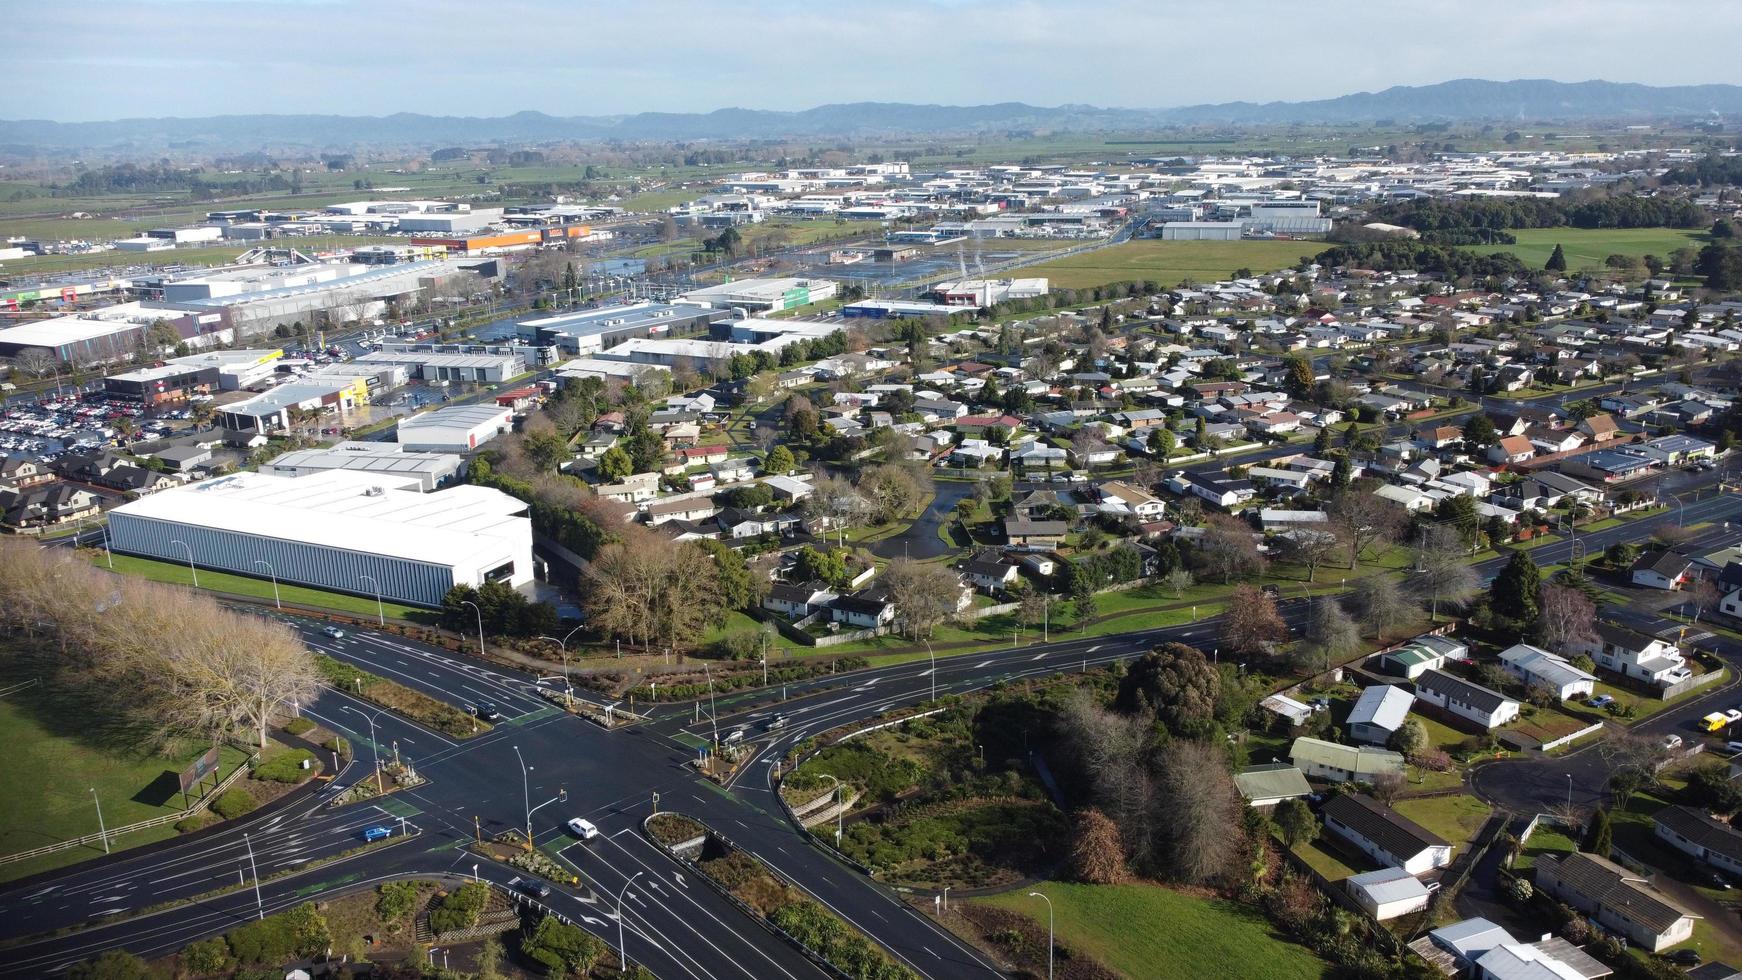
113	965
299	726
460	909
286	768
198	821
206	956
562	948
395	900
235	802
338	744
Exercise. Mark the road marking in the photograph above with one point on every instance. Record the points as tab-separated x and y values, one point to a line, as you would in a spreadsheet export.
983	663
1038	656
1095	647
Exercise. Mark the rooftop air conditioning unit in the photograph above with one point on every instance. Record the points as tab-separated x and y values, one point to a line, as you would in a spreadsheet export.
374	492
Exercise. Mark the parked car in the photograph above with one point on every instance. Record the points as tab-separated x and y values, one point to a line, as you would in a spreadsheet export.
584	829
1672	741
1601	701
1684	957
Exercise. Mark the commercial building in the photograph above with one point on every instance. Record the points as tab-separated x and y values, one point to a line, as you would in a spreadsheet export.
478	368
761	294
273	409
162	384
459	429
590	331
895	309
1200	231
429	470
345	531
985	292
518	240
105	335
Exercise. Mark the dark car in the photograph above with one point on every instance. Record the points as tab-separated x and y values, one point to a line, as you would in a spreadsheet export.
533	887
487	711
1684	957
1717	880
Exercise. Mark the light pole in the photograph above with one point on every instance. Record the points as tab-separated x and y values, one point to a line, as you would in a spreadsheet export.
259	905
713	715
191	569
1569	791
480	612
526	790
101	830
1048	902
272	572
622	950
374	746
934	670
380	612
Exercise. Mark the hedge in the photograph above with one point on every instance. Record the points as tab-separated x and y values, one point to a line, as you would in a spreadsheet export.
235	802
461	908
286	768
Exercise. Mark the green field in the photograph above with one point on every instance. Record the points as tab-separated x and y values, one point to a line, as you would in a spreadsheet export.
51	770
1120	925
1169	263
205	255
259	588
1586	248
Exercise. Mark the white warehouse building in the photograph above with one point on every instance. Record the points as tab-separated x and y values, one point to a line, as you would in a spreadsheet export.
459	429
341	530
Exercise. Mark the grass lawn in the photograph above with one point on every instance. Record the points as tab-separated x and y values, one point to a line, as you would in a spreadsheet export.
50	775
1319	856
1586	248
1456	818
1170	262
1117	925
178	574
1545	840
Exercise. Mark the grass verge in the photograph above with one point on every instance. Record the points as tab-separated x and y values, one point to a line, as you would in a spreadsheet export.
396	697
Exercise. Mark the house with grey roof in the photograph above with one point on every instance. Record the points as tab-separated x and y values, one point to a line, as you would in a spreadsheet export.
1471	702
1378	713
1537	667
1696	834
1385	835
1618	899
1337	763
1388	892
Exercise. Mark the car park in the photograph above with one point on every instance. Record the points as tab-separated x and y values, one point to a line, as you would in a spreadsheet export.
583	828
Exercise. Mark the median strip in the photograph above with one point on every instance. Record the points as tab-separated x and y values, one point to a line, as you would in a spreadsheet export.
396	697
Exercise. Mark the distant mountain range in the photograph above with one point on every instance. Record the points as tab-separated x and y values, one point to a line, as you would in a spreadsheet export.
1463	100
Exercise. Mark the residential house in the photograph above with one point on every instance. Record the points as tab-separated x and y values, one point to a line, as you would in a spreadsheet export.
1035	535
22	471
1378	713
796	600
1296	713
1530	961
1420	655
1268	784
989	571
736	523
1388	893
682	509
1661	568
1642	658
1134	499
1472	702
637	488
788	489
1337	763
1385	835
1599	428
41	506
1694	833
1511	449
1617	898
1537	667
1456	948
863	610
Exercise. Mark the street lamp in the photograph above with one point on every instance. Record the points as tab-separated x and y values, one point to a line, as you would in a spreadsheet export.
563	645
191	569
102	830
270	571
374	746
259	905
480	612
622	950
526	790
1048	902
380	613
713	714
1569	791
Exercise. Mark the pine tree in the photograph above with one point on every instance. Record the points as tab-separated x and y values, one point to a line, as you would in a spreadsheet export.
1513	595
1599	837
1341	472
1322	442
1557	260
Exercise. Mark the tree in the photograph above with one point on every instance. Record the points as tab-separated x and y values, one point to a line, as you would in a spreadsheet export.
925	595
1199	843
1557	260
1342	471
1177	581
614	464
1365	521
1600	835
1322	441
1296	821
892	489
1174	682
1161	441
1513	596
114	965
1704	597
1410	738
1312	547
1377	603
1298	377
650	589
1082	596
1251	623
1097	853
1227	548
1567	619
489	960
1479	430
34	361
1444	573
779	460
1330	632
828	565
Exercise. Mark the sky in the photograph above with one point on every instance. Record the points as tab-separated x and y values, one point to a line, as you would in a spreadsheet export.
76	60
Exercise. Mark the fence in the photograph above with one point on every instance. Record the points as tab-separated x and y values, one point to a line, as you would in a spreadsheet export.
1692	683
1564	739
200	806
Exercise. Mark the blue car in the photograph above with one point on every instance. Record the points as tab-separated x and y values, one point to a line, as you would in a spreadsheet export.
377	833
1601	700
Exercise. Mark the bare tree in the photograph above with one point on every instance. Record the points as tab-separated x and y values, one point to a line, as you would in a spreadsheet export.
1227	548
1566	620
1251	623
1311	547
34	361
1378	604
1443	570
1704	597
1330	632
650	589
925	595
1201	842
1177	581
1365	520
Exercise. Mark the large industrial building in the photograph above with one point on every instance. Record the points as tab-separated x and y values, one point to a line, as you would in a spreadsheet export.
108	334
430	365
761	294
430	470
590	331
346	531
274	409
459	429
985	292
180	378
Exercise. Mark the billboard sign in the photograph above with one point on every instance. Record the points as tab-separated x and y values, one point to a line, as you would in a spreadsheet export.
202	767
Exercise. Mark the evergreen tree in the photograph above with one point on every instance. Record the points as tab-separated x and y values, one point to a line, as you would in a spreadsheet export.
1341	472
1322	442
1600	836
1557	260
1513	595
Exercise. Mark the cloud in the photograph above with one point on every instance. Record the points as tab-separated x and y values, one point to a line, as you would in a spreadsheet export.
102	59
